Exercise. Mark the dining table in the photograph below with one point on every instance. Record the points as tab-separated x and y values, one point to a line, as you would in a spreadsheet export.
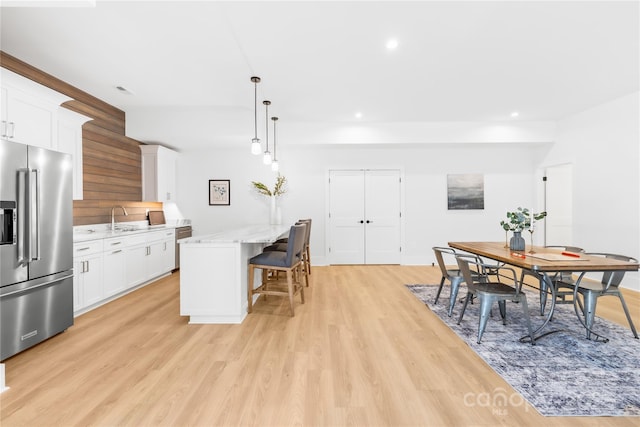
545	262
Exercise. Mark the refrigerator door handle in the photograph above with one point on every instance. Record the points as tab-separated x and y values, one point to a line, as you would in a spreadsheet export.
59	279
23	213
35	217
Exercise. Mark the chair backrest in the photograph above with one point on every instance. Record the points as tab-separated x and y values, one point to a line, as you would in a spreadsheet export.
575	249
439	252
470	276
613	278
475	272
295	244
308	231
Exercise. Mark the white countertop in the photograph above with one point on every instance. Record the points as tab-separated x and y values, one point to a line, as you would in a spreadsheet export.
103	231
247	234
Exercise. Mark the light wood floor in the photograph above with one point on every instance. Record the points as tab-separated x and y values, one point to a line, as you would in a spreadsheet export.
361	351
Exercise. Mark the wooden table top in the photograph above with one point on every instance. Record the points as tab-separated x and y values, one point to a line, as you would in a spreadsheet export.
530	261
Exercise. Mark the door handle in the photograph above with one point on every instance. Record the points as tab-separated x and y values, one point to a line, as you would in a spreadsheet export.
36	172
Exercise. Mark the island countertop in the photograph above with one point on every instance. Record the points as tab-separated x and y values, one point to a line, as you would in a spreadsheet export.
247	234
213	272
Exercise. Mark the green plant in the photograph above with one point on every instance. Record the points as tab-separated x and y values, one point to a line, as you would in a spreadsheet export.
520	219
278	189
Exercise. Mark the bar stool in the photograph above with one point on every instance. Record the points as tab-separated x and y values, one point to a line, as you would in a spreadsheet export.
289	262
281	245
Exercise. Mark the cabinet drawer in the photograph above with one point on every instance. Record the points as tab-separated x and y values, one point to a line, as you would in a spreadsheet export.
87	248
115	243
136	239
157	235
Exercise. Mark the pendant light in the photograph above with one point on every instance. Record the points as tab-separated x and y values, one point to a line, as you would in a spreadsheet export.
274	164
256	148
266	159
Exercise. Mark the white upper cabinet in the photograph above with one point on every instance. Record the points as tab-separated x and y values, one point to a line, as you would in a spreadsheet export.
158	173
29	111
70	142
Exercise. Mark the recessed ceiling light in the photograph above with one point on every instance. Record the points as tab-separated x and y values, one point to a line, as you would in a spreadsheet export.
358	115
392	44
515	114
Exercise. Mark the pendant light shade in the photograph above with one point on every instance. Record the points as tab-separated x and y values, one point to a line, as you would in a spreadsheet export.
266	159
274	164
255	142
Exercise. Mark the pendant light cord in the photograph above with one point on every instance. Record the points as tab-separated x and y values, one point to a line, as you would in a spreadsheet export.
255	109
274	136
266	104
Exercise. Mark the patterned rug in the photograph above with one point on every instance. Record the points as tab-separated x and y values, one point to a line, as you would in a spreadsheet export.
564	374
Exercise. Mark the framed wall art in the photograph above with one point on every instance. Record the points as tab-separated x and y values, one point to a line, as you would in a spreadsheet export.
465	191
219	192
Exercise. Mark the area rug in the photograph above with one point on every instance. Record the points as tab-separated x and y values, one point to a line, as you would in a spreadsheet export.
564	374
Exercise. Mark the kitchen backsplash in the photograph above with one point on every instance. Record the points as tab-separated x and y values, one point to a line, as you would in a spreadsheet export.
99	211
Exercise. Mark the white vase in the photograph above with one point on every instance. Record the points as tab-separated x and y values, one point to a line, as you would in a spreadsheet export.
275	213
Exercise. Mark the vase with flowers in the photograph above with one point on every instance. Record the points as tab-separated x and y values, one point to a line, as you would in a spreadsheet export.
517	221
275	214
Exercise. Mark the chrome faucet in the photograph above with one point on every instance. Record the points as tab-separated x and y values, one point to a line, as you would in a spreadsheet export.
113	218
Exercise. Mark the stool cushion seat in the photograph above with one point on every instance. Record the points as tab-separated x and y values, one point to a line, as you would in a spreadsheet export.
273	258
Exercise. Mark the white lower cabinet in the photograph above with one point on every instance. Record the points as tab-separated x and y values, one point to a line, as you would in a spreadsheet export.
136	260
114	266
87	274
105	268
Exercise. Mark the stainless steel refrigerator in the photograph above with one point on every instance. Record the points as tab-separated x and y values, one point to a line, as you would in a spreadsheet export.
36	247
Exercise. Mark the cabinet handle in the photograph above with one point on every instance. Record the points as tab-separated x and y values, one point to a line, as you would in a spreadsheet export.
116	243
11	126
4	129
83	249
168	196
116	252
87	270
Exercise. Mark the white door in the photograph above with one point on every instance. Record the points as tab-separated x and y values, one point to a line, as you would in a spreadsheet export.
364	216
346	217
559	205
382	216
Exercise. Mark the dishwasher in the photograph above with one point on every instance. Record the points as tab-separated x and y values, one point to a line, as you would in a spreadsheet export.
181	233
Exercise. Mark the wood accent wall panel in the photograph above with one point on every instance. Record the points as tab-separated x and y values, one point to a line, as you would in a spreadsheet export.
19	67
86	212
112	165
112	162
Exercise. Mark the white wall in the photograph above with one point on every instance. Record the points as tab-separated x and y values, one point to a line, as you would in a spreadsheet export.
603	145
508	170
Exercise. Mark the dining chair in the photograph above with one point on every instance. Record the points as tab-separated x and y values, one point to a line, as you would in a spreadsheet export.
451	274
289	262
488	291
562	281
590	290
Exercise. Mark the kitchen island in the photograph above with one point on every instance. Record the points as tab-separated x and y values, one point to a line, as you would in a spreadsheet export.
213	272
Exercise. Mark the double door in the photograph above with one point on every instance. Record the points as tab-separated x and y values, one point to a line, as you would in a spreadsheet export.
364	216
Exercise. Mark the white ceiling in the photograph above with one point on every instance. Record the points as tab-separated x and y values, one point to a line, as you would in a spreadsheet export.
324	61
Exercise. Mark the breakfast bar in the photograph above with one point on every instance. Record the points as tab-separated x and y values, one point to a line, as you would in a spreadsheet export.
213	272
